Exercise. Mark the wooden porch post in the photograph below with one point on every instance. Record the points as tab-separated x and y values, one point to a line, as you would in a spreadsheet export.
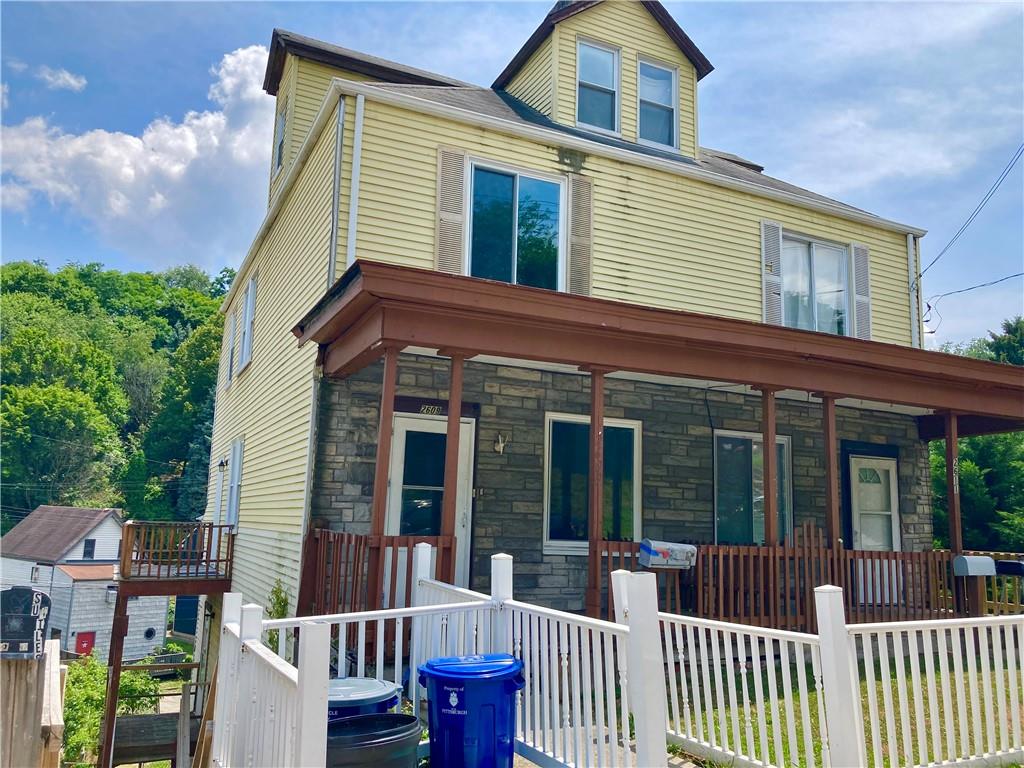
118	630
832	517
770	467
380	476
956	536
451	464
595	527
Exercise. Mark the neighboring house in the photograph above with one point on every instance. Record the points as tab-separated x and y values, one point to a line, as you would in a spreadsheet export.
70	553
715	304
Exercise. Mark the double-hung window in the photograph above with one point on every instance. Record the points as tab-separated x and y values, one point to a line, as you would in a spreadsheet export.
516	228
89	549
657	93
815	286
234	483
248	314
567	480
739	487
279	131
597	86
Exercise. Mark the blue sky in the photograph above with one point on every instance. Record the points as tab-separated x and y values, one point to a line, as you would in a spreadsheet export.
137	134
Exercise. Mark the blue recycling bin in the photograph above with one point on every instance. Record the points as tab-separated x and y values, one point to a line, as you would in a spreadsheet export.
472	709
351	696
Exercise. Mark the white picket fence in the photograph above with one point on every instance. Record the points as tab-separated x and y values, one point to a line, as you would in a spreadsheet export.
600	693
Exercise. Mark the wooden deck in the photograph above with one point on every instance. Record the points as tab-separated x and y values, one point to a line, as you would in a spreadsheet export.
146	738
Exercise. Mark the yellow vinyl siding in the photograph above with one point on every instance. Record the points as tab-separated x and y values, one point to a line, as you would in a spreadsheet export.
631	29
268	404
534	83
659	239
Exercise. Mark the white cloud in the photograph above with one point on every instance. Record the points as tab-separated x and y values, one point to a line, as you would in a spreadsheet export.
188	189
16	65
5	91
61	79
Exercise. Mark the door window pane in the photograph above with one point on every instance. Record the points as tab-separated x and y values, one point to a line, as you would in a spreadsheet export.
493	224
830	288
569	474
537	233
796	286
739	489
422	483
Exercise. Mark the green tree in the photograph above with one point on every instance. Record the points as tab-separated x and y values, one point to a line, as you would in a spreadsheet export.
85	694
187	276
1007	345
192	487
222	282
59	448
63	287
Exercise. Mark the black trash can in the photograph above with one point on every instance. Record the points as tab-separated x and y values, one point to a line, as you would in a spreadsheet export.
374	741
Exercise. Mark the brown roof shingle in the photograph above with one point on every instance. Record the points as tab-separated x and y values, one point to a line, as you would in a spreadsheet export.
98	572
49	532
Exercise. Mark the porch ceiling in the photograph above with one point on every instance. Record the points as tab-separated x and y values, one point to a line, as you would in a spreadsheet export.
375	306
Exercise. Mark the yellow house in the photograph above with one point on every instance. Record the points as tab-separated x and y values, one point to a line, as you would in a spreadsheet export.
426	236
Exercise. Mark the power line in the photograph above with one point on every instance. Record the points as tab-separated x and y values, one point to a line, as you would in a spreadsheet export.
932	304
974	214
80	444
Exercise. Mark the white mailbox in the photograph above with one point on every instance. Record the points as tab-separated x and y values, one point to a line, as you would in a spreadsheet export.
974	565
667	554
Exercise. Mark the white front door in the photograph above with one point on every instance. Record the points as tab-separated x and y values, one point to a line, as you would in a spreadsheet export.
874	503
416	483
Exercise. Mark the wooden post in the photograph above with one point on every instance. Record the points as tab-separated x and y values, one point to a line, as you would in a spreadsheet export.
118	630
956	536
449	503
595	523
770	468
380	476
832	516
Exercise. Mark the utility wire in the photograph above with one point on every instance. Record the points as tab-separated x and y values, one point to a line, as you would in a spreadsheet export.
974	214
932	304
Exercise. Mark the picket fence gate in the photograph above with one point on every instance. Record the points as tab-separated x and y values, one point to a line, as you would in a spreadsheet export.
601	693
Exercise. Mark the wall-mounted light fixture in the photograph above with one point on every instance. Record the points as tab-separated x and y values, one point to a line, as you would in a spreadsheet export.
222	466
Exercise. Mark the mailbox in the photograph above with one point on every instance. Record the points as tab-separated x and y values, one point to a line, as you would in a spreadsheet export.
667	554
974	565
1010	567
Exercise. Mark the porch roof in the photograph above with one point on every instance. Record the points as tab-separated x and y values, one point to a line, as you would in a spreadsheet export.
375	306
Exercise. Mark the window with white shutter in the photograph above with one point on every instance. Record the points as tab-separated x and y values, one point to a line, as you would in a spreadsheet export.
451	210
861	291
248	315
771	267
581	229
234	483
231	347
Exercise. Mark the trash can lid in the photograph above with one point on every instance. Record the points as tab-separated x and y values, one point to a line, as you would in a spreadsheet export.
488	665
360	690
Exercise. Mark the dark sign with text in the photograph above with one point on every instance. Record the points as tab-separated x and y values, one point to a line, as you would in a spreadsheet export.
24	615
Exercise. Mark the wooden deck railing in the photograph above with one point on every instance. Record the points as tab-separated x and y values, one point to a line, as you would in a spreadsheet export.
152	550
1003	594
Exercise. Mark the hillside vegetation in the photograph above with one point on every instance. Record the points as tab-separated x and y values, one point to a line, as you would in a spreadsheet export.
108	386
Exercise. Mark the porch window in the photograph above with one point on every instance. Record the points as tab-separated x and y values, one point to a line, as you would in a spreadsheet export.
739	488
567	478
516	228
597	86
657	88
815	286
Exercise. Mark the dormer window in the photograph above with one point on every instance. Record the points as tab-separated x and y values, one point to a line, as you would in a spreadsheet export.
279	126
659	113
597	91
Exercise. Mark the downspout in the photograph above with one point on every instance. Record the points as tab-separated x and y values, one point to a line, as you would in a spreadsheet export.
332	246
353	197
915	290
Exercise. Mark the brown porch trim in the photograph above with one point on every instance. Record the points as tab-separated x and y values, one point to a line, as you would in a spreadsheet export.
595	528
451	461
956	537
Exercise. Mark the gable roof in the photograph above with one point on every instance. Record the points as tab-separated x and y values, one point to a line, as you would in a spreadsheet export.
283	42
97	572
565	8
48	532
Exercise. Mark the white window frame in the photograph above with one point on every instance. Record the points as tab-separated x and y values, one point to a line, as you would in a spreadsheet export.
34	574
517	171
795	237
234	482
232	330
617	53
578	548
280	129
248	317
675	102
784	440
86	556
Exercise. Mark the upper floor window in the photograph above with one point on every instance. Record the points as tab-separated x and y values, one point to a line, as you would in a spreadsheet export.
279	126
515	228
89	549
232	336
248	313
657	92
597	91
815	286
234	483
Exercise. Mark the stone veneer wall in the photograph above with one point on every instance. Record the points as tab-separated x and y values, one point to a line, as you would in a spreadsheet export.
677	459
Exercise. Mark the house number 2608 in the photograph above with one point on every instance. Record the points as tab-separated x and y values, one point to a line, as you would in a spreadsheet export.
431	410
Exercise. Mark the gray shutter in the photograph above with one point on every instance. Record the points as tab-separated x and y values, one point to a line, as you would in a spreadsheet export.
861	291
771	271
451	210
581	234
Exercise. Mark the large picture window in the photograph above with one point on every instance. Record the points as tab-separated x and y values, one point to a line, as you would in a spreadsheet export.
739	488
815	286
516	228
567	478
657	92
597	86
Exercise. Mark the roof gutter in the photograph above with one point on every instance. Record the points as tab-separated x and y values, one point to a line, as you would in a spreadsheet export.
548	136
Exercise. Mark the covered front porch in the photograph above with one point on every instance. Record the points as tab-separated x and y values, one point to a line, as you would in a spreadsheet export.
482	383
